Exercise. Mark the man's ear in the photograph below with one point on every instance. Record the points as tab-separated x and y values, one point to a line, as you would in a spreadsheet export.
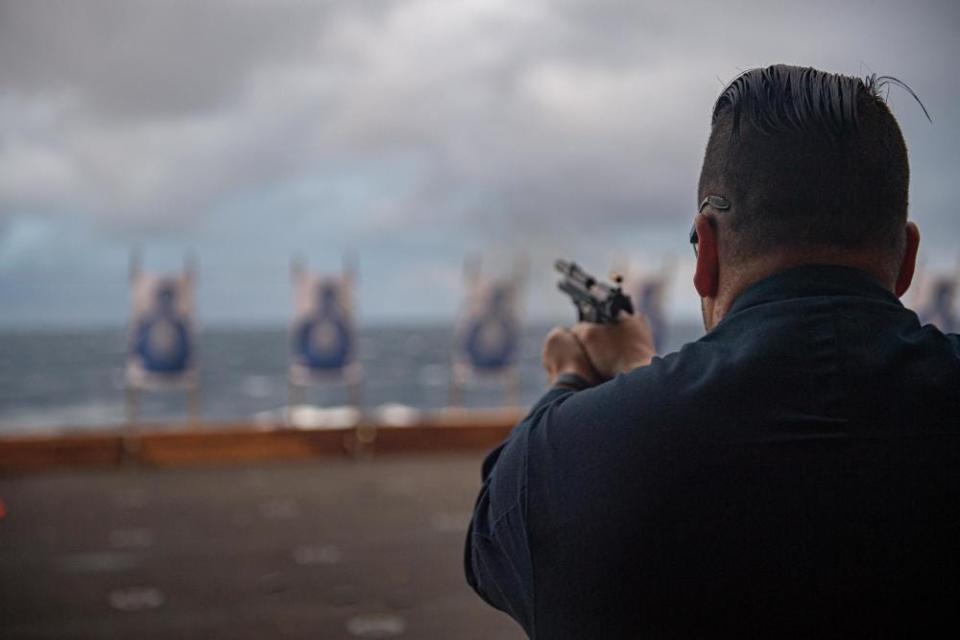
908	265
706	278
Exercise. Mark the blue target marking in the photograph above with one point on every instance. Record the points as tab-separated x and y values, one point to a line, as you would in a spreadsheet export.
162	340
323	341
940	310
491	338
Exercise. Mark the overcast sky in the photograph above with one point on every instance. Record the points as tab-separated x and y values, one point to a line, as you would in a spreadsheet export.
411	132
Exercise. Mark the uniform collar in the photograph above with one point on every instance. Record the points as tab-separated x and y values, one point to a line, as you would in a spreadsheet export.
812	280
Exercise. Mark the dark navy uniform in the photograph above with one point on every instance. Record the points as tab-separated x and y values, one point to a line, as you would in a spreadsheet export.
793	473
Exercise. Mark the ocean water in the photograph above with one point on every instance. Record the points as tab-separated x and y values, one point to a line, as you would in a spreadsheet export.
74	380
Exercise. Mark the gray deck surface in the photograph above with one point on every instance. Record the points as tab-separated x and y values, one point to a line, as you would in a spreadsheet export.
326	549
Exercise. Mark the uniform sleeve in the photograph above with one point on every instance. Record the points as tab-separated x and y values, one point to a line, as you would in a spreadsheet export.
497	557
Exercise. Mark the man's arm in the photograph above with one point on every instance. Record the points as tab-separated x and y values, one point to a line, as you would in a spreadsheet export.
498	559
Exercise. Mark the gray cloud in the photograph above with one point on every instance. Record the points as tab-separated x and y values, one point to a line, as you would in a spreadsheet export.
146	59
151	112
529	124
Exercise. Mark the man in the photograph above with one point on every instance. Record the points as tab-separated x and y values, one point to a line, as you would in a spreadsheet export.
793	473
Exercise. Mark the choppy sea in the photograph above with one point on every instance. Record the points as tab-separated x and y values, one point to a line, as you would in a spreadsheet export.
74	380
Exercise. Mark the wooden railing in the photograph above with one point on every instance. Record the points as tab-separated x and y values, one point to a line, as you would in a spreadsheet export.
167	445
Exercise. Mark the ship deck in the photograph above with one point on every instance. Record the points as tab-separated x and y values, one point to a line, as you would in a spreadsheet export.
316	547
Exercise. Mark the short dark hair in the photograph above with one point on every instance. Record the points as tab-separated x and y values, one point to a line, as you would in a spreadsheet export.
807	159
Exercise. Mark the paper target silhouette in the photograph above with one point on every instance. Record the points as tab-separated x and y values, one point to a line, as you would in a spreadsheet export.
161	350
488	333
323	340
649	296
491	333
162	338
939	305
649	290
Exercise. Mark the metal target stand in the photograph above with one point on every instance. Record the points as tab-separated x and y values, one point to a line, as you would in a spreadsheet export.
463	371
137	380
301	377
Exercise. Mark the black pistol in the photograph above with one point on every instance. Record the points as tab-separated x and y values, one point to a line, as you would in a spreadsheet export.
596	301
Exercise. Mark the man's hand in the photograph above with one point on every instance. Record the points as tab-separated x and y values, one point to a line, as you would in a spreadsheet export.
562	353
597	352
617	348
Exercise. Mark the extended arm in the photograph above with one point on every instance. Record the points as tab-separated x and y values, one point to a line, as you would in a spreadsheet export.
498	559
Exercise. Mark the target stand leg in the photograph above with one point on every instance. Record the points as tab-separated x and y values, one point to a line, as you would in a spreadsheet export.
295	395
129	439
133	405
354	380
193	404
456	395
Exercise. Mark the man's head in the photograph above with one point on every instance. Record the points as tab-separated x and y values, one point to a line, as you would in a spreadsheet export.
814	168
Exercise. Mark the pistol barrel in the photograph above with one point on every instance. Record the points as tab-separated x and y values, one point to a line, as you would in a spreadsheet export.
594	300
573	272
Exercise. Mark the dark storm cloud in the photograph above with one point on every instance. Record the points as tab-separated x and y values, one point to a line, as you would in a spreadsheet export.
151	113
